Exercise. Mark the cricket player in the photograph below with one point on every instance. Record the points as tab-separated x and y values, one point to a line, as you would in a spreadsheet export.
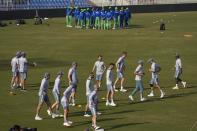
121	13
69	17
82	18
92	106
108	19
65	105
15	72
127	17
76	17
97	20
93	18
139	73
100	67
73	81
43	97
178	72
115	18
103	18
120	65
154	82
110	89
89	89
56	93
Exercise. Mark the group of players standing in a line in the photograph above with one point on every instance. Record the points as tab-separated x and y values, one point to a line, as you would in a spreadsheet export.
19	69
97	18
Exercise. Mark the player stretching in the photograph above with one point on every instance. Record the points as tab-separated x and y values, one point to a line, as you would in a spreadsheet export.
56	93
73	80
154	82
110	90
15	73
43	97
139	73
178	72
89	89
65	105
92	106
100	68
120	65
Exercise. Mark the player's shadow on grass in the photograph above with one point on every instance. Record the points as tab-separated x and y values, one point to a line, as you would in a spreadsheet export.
124	125
122	112
136	26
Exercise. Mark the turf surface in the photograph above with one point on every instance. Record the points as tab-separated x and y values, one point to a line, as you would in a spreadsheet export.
54	47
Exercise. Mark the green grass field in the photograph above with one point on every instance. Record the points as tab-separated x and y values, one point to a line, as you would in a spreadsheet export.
54	47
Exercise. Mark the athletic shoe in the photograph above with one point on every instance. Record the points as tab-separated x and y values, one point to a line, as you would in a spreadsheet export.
69	122
123	90
86	115
96	127
49	113
23	90
73	104
162	95
184	84
150	95
53	115
175	88
131	98
112	104
98	113
107	103
66	124
143	99
37	118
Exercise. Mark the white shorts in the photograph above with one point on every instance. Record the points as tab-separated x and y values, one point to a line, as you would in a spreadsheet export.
99	77
109	87
65	104
23	75
120	74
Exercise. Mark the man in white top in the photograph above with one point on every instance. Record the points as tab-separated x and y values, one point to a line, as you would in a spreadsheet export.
178	72
100	68
15	72
56	93
73	81
23	69
120	65
154	82
139	73
109	83
43	97
89	89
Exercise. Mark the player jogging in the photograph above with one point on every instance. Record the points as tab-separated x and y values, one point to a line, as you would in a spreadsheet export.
139	73
43	97
120	65
100	67
110	89
154	82
56	93
178	72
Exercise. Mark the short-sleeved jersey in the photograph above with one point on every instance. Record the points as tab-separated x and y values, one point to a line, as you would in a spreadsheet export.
73	74
100	67
120	63
109	77
14	64
43	87
89	86
178	64
23	64
57	85
139	70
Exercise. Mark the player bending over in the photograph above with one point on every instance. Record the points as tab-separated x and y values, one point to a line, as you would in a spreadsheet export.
110	89
154	82
178	72
43	97
89	89
139	73
120	65
56	94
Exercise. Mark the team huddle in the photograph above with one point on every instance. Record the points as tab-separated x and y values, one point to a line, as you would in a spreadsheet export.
96	18
19	69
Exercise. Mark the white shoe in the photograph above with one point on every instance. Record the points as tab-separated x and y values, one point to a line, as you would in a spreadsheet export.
53	115
175	88
70	122
115	90
49	113
162	95
107	103
123	90
73	104
86	115
96	127
98	113
66	124
151	95
112	104
143	99
38	118
131	98
184	84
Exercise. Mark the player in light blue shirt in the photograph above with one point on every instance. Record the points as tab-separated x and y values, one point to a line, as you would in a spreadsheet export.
120	65
73	81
